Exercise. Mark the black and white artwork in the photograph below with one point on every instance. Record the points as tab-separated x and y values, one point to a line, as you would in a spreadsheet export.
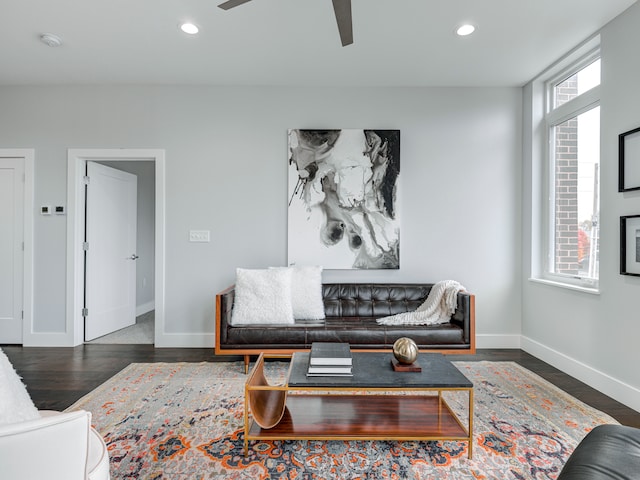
630	245
343	186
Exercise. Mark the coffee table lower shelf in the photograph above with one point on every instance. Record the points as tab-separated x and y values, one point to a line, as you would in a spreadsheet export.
364	417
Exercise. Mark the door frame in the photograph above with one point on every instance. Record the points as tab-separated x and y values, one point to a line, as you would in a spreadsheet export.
76	168
28	157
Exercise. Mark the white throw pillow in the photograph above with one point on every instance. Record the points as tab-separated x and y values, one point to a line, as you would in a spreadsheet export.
306	292
262	297
15	403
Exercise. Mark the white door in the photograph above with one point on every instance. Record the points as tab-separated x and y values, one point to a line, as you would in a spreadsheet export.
11	248
110	260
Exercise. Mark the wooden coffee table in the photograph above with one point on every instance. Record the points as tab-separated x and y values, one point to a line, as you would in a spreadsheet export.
376	403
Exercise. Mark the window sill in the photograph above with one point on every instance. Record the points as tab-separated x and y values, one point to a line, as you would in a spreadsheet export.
578	288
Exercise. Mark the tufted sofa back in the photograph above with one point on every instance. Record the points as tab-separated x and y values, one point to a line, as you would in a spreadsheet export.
372	300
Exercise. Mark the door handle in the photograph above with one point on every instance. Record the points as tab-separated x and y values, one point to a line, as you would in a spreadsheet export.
133	257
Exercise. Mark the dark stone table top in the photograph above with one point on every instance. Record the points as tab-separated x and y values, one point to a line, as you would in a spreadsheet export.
374	370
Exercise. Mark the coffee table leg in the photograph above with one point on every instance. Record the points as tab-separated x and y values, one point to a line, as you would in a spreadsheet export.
470	423
246	420
439	409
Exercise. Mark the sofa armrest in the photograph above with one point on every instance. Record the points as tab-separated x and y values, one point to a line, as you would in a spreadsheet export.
465	317
224	307
55	447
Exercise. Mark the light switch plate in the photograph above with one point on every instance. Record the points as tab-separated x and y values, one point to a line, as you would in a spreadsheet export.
199	236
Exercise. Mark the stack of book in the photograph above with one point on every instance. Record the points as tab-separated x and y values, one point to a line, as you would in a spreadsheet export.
330	359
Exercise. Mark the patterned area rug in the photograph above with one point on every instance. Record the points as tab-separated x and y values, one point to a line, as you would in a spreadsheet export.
185	421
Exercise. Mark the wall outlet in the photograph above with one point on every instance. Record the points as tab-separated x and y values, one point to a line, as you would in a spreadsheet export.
199	235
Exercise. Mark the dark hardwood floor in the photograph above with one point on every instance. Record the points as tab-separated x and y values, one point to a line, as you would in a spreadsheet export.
57	377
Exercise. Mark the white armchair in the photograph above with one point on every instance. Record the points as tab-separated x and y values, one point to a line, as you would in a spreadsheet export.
48	445
57	446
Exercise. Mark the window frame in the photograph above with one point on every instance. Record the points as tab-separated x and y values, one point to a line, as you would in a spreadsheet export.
551	118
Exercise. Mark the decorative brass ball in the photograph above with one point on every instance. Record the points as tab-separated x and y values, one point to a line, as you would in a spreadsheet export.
405	350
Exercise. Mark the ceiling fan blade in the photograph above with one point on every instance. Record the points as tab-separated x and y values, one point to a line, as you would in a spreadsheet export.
342	9
232	3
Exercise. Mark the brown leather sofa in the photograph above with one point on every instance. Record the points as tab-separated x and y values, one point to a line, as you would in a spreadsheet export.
351	310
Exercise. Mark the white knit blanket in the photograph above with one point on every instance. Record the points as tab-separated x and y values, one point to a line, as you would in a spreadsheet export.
437	308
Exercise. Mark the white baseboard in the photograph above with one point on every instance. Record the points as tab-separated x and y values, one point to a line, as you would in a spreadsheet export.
145	307
497	341
166	340
185	340
49	339
601	381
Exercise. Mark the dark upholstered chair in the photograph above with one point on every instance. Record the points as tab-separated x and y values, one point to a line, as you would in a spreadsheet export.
608	452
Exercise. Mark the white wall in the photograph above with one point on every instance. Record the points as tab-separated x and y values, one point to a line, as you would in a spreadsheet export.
226	167
595	337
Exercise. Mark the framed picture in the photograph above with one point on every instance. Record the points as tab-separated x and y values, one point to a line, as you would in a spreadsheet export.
630	245
343	189
629	160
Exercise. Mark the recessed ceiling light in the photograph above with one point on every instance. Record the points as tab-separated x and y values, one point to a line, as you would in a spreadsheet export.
190	28
466	29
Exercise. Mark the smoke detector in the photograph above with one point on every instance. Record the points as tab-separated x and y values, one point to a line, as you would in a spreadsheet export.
50	39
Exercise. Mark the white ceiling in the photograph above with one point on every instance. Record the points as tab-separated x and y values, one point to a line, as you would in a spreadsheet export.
292	42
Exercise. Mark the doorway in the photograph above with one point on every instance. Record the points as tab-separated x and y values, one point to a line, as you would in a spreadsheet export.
110	250
128	315
16	219
24	258
119	159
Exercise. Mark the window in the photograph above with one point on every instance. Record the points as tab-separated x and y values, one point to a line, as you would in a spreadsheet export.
572	121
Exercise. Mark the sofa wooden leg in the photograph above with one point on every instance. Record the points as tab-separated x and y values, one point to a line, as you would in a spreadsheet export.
247	360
